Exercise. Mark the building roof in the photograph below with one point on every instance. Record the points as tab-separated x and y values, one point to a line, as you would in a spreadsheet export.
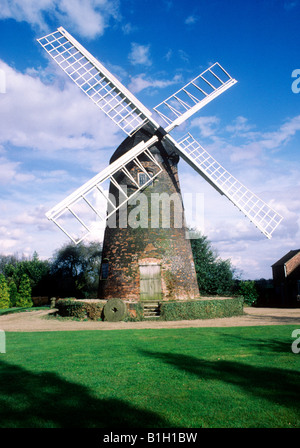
286	258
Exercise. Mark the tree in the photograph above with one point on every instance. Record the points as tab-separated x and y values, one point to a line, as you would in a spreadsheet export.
215	276
24	296
6	260
249	292
13	294
4	293
75	270
37	271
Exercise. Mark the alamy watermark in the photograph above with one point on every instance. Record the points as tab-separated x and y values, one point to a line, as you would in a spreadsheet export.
296	343
296	82
160	210
140	210
2	342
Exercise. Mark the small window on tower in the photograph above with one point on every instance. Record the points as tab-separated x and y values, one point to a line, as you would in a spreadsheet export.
143	178
104	270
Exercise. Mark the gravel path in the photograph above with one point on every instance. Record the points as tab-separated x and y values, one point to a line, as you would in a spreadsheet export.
37	321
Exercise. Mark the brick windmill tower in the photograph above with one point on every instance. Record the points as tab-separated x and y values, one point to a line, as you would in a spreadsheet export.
146	251
145	257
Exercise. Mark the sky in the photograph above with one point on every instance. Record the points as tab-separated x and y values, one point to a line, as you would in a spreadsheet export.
53	139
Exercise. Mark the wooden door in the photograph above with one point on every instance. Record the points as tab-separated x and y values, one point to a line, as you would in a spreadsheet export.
150	282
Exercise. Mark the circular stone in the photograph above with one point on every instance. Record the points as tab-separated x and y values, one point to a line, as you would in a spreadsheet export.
114	310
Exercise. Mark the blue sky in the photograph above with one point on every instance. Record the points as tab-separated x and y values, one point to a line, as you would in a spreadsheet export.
52	139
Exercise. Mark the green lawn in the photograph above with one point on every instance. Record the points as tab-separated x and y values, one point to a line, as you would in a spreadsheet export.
195	377
15	310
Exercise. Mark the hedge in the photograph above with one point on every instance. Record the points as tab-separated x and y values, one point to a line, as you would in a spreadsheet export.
180	310
135	311
202	309
72	307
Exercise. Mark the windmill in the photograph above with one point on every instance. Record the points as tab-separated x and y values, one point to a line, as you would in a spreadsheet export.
142	263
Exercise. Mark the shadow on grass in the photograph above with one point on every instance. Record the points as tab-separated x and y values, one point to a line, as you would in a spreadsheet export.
262	345
38	400
280	386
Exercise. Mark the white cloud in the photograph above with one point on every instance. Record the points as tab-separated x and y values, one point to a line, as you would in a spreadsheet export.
140	54
240	126
88	18
242	142
26	10
273	140
48	118
24	228
140	82
169	55
10	172
190	20
260	145
183	56
128	28
52	140
206	125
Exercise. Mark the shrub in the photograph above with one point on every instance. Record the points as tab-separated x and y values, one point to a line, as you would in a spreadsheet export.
135	312
214	275
4	293
248	291
37	270
24	296
185	310
93	310
71	307
13	294
202	309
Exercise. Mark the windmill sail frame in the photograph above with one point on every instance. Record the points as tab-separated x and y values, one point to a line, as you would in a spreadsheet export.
103	88
95	184
184	103
129	114
264	217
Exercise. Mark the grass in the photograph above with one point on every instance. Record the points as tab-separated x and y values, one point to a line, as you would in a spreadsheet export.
21	309
240	377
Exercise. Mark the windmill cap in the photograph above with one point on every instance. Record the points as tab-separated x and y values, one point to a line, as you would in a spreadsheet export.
143	134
